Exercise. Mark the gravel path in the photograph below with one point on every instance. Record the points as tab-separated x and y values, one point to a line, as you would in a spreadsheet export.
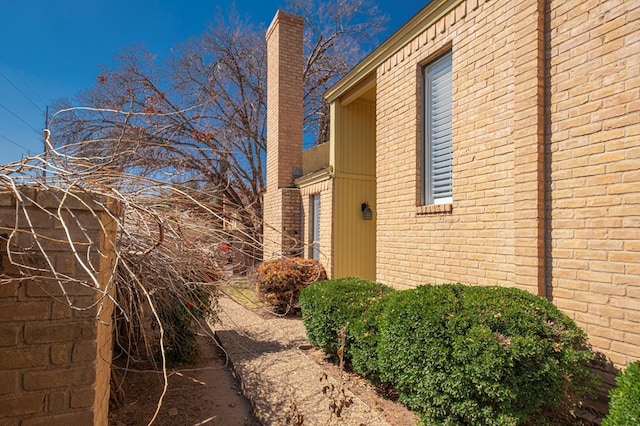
284	385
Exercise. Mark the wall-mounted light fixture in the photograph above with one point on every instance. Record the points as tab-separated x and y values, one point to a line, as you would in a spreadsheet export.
367	213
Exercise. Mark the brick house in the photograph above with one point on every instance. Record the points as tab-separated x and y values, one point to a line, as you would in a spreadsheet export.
495	142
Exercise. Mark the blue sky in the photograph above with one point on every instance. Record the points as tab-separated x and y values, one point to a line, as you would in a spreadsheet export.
53	49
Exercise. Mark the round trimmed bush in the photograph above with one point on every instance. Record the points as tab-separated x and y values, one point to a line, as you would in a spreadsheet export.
329	306
365	339
479	355
280	281
624	398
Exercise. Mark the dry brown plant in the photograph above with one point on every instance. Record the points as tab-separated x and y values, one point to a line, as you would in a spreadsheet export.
175	242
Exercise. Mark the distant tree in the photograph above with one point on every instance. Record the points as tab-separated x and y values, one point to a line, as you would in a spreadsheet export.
337	35
200	115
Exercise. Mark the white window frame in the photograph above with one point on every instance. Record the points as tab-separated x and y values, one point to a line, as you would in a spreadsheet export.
437	164
314	226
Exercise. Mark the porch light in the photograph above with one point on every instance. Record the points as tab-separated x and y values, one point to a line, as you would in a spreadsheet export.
367	213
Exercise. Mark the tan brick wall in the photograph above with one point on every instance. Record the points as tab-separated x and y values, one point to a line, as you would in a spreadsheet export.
284	99
475	242
528	139
282	227
54	360
281	201
594	174
272	213
325	189
546	141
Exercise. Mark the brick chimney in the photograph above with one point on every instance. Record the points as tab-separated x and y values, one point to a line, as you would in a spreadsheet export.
281	202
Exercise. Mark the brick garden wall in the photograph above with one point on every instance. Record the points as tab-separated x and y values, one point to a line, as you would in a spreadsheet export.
55	361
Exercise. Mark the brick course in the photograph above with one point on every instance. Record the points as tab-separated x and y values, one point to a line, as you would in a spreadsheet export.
546	161
54	361
545	171
593	188
281	202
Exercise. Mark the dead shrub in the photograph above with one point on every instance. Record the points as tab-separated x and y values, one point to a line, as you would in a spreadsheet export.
280	281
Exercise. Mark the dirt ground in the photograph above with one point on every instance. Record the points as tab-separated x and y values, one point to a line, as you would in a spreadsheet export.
202	393
393	412
207	393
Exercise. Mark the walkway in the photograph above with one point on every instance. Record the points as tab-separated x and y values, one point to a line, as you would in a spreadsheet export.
284	385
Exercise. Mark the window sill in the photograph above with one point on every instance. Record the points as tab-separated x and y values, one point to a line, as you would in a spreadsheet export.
434	209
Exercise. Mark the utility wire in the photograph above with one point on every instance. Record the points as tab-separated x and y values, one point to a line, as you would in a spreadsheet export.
16	144
18	117
21	92
24	82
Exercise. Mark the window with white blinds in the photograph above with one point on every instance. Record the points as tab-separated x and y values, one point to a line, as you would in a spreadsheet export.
315	227
438	152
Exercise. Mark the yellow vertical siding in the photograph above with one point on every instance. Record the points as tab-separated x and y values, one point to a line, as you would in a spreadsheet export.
356	155
354	162
354	238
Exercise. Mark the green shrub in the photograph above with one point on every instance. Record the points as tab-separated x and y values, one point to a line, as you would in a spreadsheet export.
478	355
331	305
624	404
365	339
182	313
279	281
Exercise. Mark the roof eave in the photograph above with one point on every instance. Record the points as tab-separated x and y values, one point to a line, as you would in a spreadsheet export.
422	20
315	177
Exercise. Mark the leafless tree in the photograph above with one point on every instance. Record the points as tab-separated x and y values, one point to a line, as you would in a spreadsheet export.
337	35
168	263
200	115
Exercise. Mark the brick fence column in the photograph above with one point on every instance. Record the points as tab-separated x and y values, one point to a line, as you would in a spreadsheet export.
55	361
529	116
